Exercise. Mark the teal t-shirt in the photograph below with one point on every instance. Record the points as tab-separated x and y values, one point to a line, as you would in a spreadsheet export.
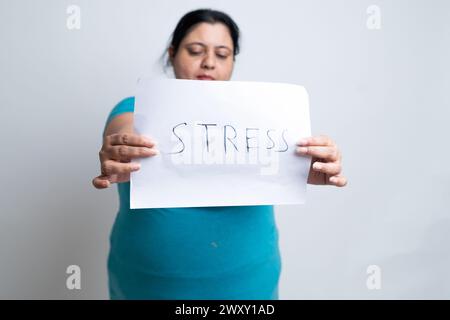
192	253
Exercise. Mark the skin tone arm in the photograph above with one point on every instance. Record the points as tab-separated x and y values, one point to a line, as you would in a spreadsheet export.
120	146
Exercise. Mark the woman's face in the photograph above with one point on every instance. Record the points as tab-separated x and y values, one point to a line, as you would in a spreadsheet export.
205	53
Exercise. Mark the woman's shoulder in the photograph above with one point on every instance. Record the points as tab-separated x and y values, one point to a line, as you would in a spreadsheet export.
125	104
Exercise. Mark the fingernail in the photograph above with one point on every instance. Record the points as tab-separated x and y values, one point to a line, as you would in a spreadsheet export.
135	166
156	152
317	166
333	179
302	150
302	142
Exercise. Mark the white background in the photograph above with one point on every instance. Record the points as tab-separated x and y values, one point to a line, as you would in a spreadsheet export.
382	95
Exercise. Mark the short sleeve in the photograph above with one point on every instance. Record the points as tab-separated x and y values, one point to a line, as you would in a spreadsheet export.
126	105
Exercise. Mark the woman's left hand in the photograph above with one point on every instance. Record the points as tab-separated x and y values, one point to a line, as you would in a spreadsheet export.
326	166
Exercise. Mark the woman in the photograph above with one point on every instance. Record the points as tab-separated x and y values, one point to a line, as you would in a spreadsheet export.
195	253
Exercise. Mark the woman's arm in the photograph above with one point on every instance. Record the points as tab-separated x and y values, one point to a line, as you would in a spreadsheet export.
123	123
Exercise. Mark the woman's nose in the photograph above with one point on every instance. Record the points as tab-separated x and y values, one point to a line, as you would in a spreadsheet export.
209	62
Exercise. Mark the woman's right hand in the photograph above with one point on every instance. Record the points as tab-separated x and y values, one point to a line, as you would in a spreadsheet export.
116	154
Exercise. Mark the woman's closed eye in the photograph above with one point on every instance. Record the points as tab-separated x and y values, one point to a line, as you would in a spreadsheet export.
222	55
195	52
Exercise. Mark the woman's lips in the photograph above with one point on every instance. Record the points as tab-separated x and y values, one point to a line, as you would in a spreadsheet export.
204	77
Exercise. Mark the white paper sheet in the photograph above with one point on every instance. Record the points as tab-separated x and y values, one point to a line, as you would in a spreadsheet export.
222	143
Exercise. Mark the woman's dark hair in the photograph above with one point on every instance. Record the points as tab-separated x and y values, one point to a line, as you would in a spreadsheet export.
192	18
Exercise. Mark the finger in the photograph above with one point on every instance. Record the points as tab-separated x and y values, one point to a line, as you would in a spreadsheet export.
330	168
130	139
327	153
338	181
321	140
125	153
110	167
103	155
101	182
